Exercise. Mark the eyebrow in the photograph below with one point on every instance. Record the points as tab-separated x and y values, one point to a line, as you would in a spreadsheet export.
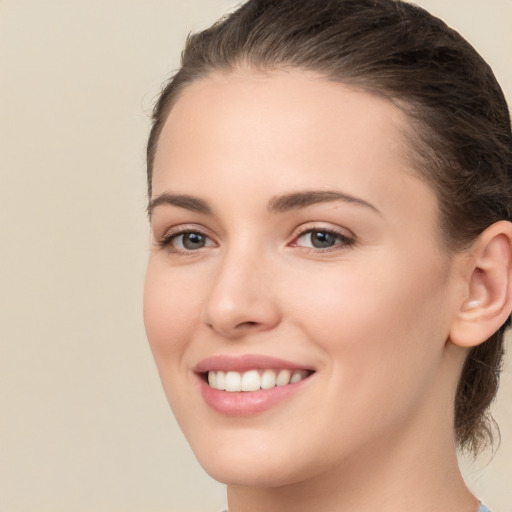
278	204
298	200
187	202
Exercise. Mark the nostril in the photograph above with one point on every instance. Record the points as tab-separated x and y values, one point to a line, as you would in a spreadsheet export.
247	324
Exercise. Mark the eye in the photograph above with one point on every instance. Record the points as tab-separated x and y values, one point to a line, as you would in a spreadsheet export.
322	239
186	241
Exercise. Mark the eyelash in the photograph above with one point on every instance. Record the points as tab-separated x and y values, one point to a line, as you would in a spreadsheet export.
344	241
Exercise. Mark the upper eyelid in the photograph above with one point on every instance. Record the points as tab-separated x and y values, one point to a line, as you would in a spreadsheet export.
313	226
193	228
184	228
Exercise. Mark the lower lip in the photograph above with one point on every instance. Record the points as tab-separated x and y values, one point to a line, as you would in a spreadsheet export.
248	403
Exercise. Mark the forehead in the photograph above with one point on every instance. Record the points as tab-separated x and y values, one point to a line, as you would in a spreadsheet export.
286	129
278	112
294	94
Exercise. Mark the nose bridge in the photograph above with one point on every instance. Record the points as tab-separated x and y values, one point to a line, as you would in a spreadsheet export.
241	297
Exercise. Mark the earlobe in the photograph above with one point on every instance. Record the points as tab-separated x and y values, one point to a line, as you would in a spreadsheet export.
488	301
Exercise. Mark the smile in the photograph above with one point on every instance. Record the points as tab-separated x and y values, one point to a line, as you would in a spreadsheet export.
250	384
253	380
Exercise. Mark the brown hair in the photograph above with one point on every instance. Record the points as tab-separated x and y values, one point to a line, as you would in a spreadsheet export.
462	141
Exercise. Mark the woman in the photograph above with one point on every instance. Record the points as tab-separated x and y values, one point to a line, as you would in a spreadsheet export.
329	280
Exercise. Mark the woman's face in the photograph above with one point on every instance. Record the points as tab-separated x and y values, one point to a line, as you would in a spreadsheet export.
292	241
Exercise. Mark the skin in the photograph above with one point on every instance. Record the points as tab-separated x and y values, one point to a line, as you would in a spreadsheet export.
372	428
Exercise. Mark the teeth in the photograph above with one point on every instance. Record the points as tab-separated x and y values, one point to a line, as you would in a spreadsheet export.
296	376
220	380
233	381
253	380
283	377
212	379
268	379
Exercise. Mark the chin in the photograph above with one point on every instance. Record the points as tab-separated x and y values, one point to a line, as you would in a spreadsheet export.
253	459
250	473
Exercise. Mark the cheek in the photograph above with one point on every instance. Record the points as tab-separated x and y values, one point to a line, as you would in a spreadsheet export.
170	315
382	337
376	322
171	311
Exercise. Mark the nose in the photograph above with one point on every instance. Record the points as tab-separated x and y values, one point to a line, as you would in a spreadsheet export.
242	299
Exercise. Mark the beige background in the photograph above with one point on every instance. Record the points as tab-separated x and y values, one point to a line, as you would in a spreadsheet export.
84	425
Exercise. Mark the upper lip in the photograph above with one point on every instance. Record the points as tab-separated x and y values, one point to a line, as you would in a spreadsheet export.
246	362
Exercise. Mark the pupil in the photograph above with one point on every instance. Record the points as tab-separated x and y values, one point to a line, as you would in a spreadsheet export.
321	239
193	241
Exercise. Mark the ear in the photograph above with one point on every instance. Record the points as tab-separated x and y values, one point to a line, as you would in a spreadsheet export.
487	300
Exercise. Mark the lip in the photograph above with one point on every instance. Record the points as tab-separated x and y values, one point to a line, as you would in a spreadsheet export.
245	363
247	403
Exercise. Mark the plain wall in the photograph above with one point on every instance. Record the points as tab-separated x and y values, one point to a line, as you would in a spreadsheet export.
84	424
